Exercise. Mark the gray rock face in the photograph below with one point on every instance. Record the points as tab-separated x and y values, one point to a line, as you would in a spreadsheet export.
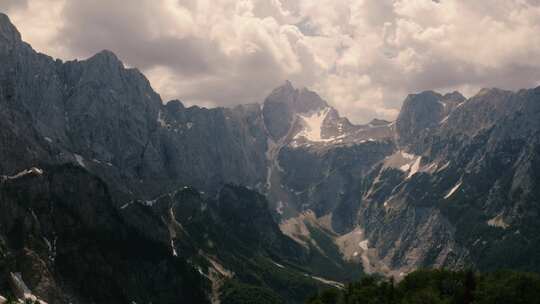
9	36
107	118
422	113
207	148
470	198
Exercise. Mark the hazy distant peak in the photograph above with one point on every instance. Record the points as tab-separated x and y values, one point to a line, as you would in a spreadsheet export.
107	57
425	95
454	96
299	100
491	92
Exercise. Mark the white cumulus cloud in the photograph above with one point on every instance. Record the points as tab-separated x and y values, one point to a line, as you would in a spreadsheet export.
363	56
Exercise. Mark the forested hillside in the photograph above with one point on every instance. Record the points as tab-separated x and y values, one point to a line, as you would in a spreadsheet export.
438	287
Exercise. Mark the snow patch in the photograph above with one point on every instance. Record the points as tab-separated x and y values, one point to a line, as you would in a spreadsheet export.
162	121
124	206
279	208
52	247
443	166
404	161
32	171
430	168
453	190
174	253
415	166
313	126
327	282
149	203
445	119
80	160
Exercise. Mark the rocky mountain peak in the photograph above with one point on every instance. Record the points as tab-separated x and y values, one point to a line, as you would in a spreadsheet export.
491	95
106	55
287	86
8	32
175	105
300	100
455	96
106	58
422	112
284	103
485	91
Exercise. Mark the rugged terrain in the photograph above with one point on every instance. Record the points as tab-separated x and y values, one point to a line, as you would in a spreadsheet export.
109	194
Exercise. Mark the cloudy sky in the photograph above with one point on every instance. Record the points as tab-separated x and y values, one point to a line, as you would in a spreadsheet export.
363	56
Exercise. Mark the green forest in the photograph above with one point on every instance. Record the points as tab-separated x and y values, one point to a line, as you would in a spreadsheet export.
438	286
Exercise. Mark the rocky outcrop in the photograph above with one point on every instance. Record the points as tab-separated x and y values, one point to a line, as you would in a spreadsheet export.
421	114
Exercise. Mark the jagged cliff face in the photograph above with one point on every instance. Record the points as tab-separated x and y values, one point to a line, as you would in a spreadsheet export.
466	192
107	118
453	182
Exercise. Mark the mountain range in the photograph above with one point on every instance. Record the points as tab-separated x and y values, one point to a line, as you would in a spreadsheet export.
110	195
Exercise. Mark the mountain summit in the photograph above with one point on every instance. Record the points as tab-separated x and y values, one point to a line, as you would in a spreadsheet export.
284	103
